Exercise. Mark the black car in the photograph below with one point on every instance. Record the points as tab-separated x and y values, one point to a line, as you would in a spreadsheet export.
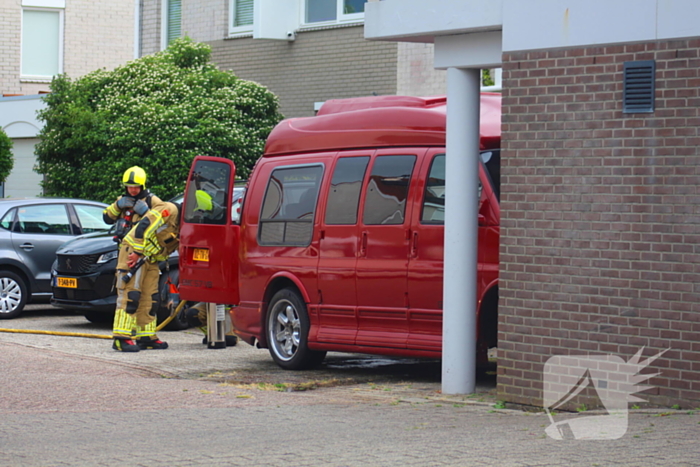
83	279
83	276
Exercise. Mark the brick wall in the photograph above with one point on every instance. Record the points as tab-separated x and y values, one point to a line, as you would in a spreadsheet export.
10	38
318	65
415	75
205	20
97	34
600	239
151	11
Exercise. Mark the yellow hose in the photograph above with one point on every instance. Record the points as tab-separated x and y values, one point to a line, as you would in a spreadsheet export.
95	336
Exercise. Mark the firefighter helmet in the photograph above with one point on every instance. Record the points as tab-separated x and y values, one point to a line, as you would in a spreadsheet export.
134	176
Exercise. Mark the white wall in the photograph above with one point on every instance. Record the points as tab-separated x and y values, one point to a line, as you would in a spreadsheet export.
457	26
574	23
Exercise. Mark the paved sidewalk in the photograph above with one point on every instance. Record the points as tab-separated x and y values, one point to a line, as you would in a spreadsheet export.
72	401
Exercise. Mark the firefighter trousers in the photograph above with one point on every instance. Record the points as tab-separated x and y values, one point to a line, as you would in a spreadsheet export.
138	301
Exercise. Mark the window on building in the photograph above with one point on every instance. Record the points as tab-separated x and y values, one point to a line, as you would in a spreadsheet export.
321	11
42	43
172	21
241	16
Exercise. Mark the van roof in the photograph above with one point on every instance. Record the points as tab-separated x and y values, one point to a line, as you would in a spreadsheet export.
379	121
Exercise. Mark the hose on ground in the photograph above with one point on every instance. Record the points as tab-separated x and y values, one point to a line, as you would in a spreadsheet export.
165	322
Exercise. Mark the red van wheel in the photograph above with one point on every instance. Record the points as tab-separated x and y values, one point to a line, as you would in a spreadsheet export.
288	330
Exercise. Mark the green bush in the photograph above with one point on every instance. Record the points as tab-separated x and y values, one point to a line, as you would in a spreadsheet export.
6	159
157	112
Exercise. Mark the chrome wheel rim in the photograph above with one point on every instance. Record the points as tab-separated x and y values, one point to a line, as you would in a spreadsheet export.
10	295
285	330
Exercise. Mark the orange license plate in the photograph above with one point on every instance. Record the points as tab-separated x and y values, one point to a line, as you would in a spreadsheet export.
200	254
67	282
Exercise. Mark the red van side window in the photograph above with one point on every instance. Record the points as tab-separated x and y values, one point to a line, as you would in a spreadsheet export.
387	190
344	195
289	206
434	197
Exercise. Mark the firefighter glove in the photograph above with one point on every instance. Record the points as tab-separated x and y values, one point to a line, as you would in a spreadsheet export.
141	208
125	202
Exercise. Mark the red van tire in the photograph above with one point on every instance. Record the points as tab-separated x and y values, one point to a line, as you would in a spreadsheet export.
287	332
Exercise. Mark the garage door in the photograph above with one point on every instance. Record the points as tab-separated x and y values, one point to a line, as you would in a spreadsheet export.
23	181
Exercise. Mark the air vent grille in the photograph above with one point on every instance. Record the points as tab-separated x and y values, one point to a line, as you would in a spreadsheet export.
638	94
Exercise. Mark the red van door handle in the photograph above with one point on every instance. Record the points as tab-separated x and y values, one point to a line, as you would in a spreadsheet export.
414	245
363	244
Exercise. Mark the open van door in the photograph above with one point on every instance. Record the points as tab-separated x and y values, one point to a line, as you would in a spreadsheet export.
209	239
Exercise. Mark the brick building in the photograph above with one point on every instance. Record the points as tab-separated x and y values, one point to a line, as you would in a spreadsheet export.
42	38
305	56
600	206
297	49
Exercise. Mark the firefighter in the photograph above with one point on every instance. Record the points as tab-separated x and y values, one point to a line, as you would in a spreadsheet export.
197	317
135	204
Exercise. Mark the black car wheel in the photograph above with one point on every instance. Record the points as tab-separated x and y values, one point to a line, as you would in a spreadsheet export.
288	330
169	301
13	295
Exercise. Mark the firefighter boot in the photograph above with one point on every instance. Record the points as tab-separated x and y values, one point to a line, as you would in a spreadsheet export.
125	345
149	343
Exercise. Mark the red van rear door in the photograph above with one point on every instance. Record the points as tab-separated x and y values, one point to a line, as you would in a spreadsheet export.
209	239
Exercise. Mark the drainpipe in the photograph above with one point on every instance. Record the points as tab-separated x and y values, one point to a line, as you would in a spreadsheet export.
137	28
461	232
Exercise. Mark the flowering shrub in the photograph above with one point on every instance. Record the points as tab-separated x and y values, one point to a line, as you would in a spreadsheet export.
157	112
6	159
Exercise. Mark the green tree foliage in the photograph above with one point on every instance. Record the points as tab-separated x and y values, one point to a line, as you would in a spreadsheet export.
6	159
157	112
486	78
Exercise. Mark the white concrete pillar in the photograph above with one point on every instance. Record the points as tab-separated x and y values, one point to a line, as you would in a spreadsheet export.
461	232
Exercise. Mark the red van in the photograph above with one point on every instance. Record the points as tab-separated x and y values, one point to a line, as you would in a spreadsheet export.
338	242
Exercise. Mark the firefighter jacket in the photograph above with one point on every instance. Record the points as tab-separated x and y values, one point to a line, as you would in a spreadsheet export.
155	237
112	213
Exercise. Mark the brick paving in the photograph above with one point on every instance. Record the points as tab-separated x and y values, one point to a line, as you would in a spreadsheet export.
68	401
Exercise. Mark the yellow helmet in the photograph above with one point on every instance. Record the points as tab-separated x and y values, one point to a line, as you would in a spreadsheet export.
134	176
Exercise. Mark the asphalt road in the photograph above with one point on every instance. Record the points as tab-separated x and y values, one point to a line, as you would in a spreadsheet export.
74	401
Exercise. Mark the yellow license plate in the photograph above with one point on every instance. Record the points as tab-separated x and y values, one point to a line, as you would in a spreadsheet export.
67	282
200	254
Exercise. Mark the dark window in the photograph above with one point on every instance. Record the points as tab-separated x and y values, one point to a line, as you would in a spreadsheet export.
289	206
344	194
174	26
387	190
206	200
91	219
492	162
434	197
8	219
44	219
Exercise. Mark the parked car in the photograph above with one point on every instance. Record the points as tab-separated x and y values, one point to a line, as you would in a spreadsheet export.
84	270
30	232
